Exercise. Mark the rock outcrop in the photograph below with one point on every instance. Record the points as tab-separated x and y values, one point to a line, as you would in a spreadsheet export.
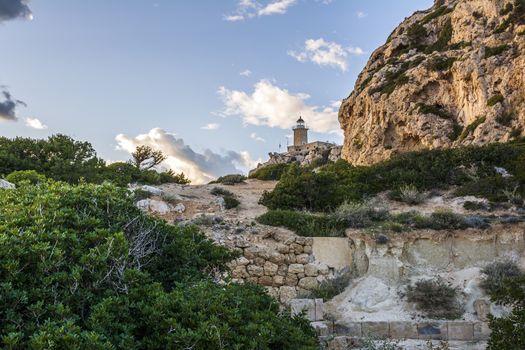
449	76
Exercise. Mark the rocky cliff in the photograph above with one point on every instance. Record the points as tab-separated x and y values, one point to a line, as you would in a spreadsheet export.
452	75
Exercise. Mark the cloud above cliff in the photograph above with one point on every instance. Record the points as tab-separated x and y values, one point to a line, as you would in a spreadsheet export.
326	53
35	123
8	106
13	9
198	167
272	106
247	9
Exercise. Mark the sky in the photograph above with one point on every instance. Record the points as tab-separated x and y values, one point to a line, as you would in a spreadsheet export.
216	85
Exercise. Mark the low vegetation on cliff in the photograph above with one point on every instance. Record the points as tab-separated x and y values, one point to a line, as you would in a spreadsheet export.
488	171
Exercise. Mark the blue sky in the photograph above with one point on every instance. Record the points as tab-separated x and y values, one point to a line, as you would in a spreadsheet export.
171	71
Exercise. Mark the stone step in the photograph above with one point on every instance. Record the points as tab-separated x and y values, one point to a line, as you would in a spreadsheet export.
424	330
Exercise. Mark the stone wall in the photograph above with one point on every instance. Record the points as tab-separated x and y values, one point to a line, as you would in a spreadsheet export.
284	266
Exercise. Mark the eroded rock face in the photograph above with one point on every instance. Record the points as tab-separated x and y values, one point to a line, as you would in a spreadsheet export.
453	75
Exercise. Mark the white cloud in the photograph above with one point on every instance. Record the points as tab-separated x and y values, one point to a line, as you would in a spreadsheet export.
211	126
35	123
198	167
247	9
276	7
325	53
361	14
275	107
246	73
254	136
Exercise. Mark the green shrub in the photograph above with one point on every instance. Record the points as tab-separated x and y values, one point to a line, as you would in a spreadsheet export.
441	63
359	215
28	176
332	185
435	109
270	172
233	179
455	132
474	206
471	127
507	332
332	287
497	50
397	78
439	220
496	273
505	119
304	224
442	10
83	268
491	187
443	39
436	298
139	194
416	33
408	194
495	100
231	202
217	191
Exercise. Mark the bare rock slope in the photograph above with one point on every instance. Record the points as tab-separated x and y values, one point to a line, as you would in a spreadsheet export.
452	75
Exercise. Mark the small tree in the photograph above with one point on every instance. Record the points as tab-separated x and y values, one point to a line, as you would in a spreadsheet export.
146	153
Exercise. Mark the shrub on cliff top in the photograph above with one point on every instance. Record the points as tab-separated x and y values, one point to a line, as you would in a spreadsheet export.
333	184
270	172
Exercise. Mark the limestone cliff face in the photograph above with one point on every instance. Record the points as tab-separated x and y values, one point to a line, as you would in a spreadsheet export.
452	75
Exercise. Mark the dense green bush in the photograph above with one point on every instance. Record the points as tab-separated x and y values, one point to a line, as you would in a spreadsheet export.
270	172
304	224
231	202
217	191
30	176
496	273
230	180
62	158
333	184
82	268
435	109
436	298
508	333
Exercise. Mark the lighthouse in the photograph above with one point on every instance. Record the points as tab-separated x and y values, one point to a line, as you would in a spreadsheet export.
300	133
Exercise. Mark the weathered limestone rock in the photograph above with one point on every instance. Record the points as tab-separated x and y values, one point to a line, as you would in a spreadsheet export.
6	184
416	95
308	283
460	330
154	206
270	269
306	306
376	329
482	309
153	190
180	208
287	293
311	270
255	270
481	331
403	330
296	268
323	329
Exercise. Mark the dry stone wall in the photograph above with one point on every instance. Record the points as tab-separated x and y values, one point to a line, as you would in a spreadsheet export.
284	265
